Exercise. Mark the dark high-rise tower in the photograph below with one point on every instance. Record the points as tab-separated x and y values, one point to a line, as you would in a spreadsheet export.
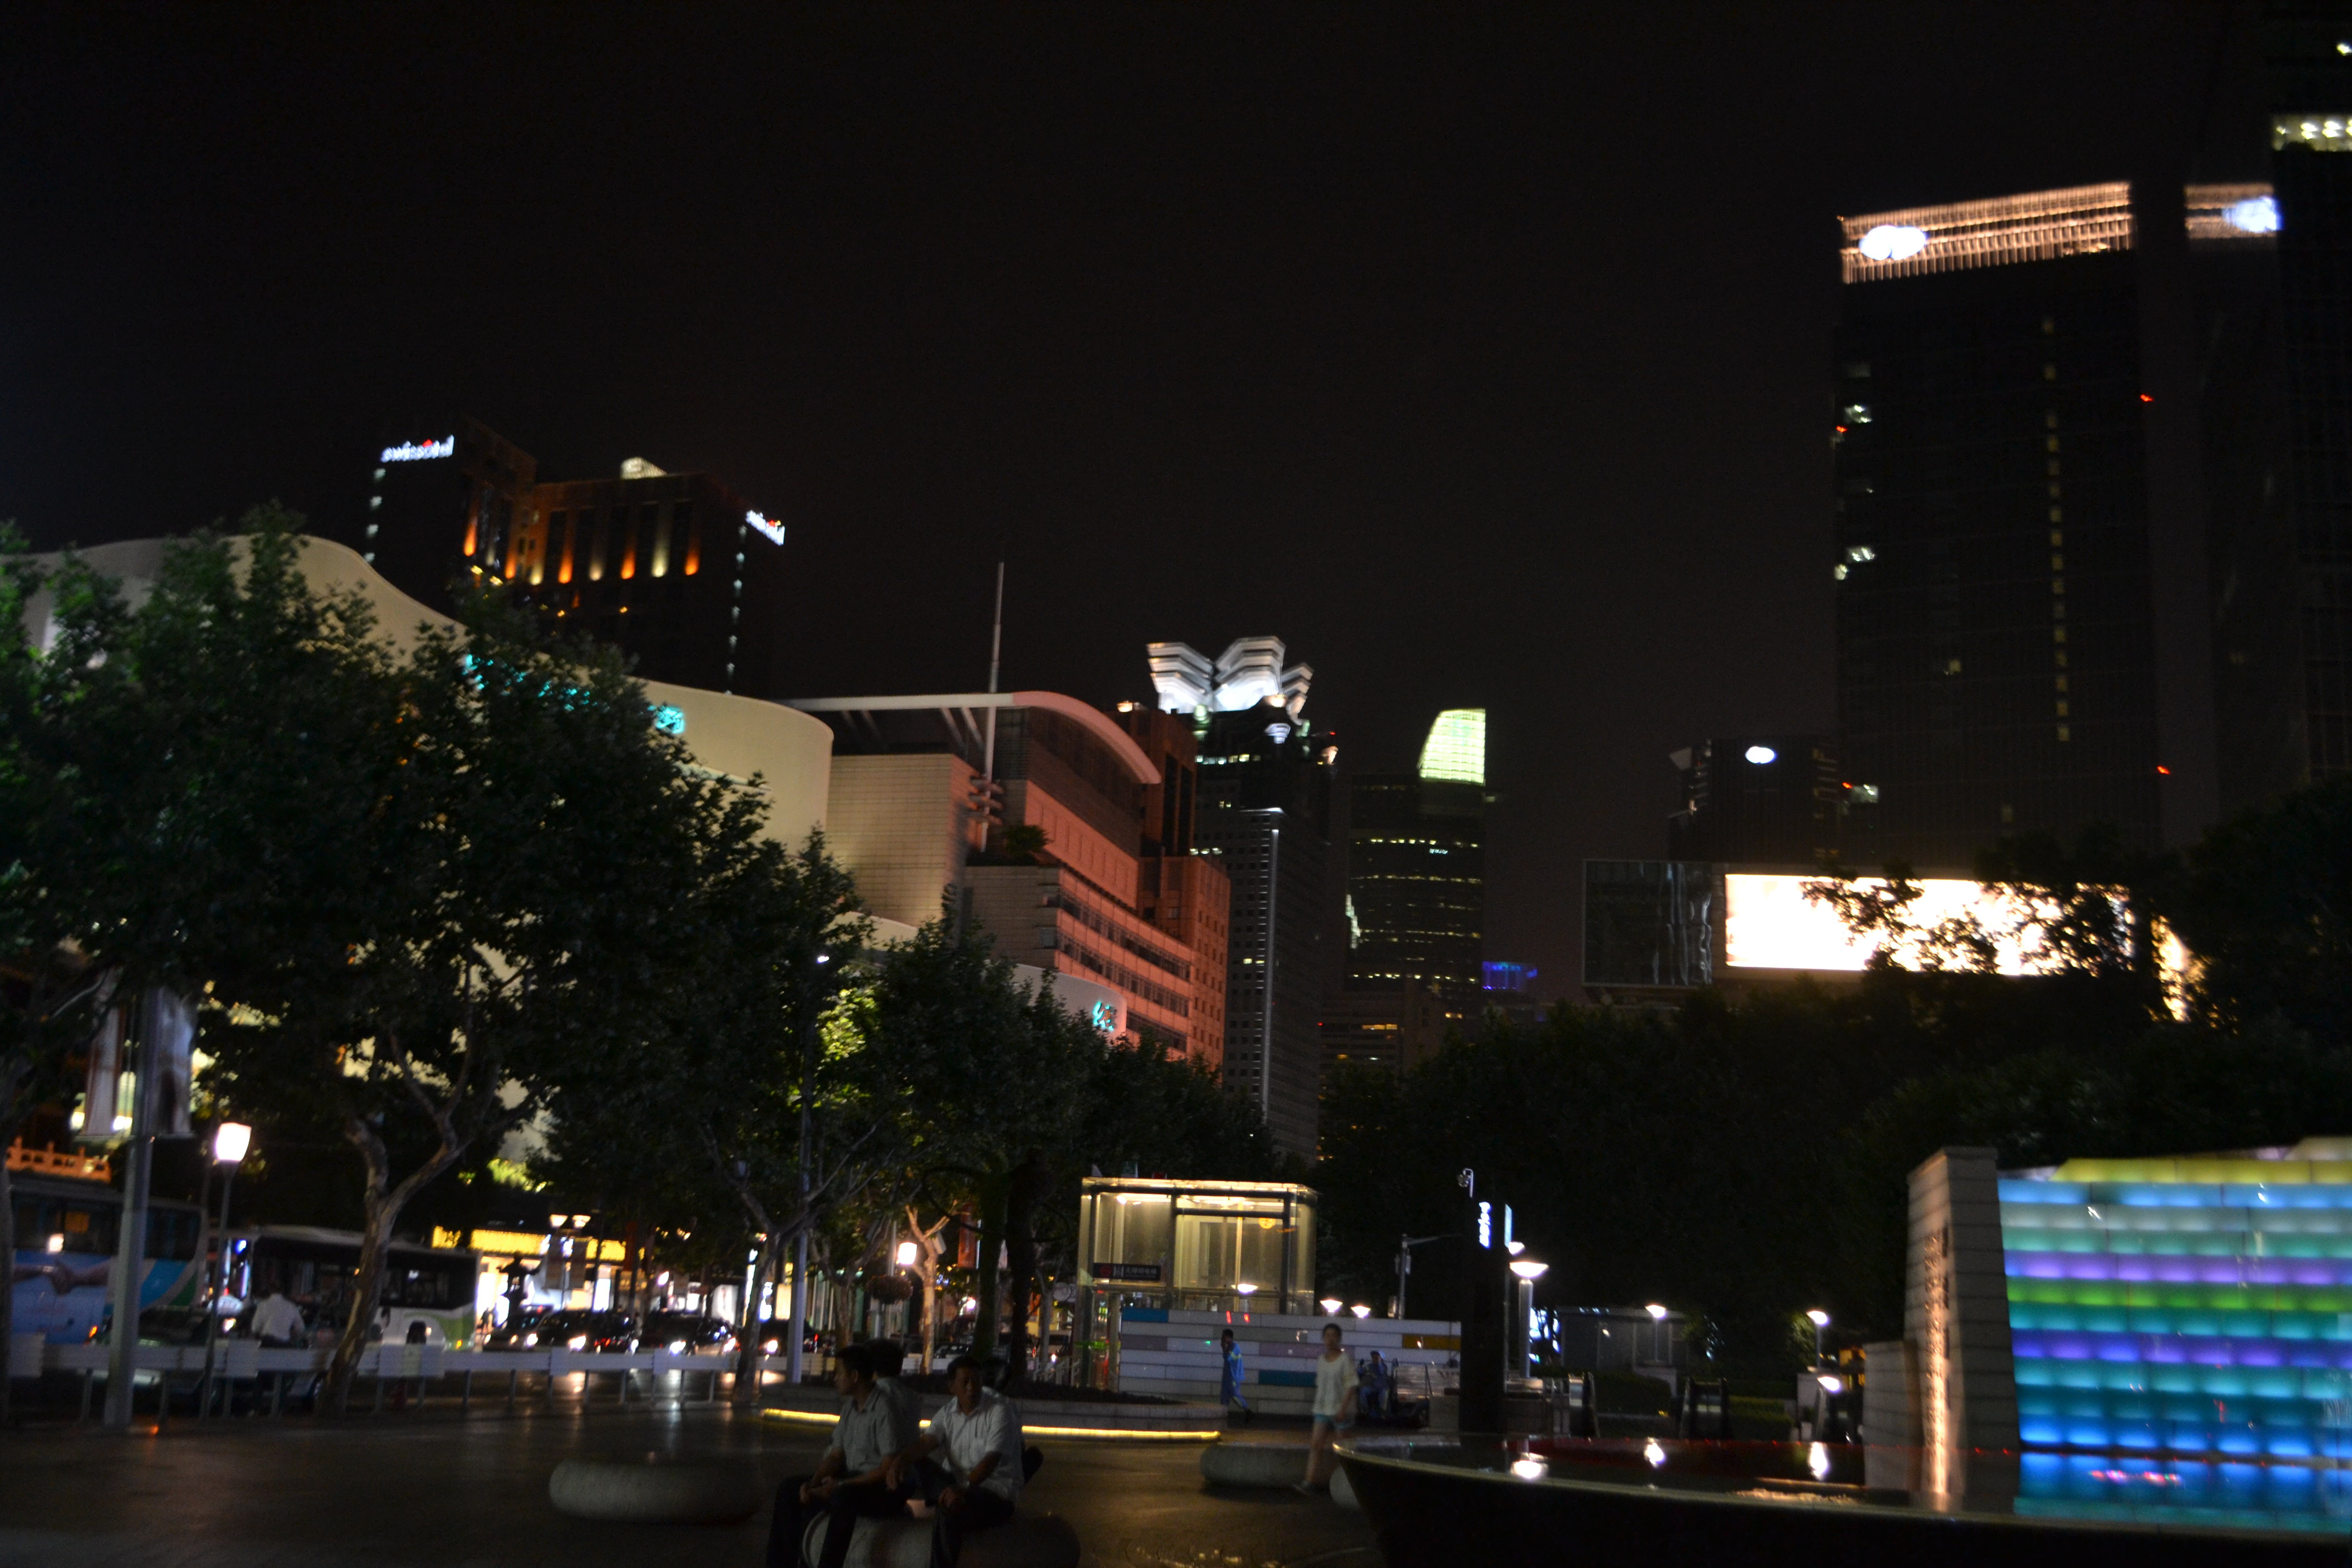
2270	236
1995	645
1416	905
1265	809
675	568
444	495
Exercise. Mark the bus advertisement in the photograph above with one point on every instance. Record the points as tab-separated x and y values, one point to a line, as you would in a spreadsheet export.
66	1235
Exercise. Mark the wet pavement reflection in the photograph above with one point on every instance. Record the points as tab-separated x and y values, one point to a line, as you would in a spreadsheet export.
434	1488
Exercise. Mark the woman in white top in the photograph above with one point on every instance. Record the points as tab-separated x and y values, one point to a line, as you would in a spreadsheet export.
1335	1409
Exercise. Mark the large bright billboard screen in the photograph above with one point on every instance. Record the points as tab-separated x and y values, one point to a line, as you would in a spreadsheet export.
1769	924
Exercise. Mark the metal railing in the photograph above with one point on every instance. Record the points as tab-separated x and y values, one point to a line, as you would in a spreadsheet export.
217	1374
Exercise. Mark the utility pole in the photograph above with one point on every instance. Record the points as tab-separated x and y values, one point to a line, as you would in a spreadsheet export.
799	1241
131	1243
995	651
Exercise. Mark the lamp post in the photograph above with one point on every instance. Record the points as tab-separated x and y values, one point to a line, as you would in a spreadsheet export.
231	1141
1527	1271
1819	1320
1404	1264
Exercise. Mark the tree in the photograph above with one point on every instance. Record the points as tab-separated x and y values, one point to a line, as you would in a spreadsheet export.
755	1085
409	884
2266	907
52	994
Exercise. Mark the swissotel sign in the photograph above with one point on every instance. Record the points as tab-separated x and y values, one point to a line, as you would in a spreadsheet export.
418	451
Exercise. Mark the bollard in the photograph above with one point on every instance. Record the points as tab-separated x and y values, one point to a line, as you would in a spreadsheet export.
85	1393
514	1381
466	1393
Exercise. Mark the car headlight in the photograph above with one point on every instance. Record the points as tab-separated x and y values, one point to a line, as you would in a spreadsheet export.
577	1342
678	1347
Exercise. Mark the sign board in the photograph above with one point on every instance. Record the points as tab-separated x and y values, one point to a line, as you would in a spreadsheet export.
1138	1273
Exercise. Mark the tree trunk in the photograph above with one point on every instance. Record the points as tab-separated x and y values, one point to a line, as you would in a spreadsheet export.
995	1188
746	1390
1022	1194
384	1201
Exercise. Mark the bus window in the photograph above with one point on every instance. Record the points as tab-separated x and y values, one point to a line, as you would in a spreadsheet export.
172	1234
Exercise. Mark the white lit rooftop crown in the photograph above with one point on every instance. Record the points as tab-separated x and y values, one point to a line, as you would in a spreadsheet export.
1249	672
1762	756
1456	747
1892	242
2038	227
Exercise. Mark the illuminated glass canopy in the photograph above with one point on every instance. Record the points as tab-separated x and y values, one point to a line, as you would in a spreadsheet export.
2184	1306
1456	747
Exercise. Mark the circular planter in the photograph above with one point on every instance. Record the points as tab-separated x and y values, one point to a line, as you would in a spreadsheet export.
1024	1541
1254	1464
655	1490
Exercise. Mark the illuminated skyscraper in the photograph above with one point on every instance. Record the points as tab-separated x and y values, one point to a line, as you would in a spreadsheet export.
2270	248
1995	644
1264	811
1416	901
674	569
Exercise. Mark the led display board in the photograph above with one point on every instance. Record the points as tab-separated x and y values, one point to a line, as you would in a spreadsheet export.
1769	924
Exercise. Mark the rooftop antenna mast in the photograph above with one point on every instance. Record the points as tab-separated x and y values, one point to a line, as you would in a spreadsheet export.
995	652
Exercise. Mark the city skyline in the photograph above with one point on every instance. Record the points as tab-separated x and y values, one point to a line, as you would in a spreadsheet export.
1407	386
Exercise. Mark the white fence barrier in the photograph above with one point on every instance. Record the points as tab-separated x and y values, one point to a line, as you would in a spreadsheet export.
217	1373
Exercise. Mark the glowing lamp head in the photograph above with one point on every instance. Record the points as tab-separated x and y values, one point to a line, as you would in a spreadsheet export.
1330	1305
1530	1468
1892	242
1762	756
1818	1317
1657	1313
231	1140
1833	1385
1360	1311
1245	1289
1528	1269
907	1254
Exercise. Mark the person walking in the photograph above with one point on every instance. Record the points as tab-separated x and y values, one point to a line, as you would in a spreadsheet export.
1229	1384
1335	1410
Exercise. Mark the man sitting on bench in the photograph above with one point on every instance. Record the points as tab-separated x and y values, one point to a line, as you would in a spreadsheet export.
878	1422
976	1477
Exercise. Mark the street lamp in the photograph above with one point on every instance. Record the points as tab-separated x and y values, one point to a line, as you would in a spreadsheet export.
1330	1305
232	1140
1819	1320
1657	1313
1523	1320
1360	1311
908	1253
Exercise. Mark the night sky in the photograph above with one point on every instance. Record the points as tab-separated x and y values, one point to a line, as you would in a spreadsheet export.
1482	353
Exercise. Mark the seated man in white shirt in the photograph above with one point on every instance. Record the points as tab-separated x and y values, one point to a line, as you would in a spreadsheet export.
967	1466
878	1422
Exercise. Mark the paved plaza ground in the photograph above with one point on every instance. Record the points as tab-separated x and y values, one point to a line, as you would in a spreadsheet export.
432	1487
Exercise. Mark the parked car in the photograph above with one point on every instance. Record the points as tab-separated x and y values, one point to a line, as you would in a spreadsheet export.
572	1329
679	1332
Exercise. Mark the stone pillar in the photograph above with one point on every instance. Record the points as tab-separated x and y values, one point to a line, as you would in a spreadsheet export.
1955	1319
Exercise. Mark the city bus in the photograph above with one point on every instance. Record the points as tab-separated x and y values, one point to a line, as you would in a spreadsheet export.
428	1292
66	1235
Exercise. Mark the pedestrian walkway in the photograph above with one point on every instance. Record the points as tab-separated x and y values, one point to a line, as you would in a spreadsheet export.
438	1491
